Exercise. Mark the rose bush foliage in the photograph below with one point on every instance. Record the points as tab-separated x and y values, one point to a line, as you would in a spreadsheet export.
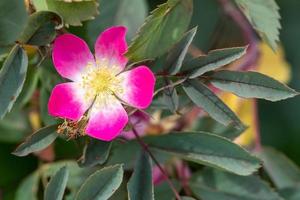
159	118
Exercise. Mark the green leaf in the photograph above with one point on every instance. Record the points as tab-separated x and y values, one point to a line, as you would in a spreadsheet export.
213	60
129	13
203	97
187	198
163	190
140	185
283	172
207	124
163	28
14	127
207	149
37	141
264	17
56	187
124	154
170	97
41	28
69	1
178	52
76	178
13	17
28	189
121	192
12	78
290	193
213	184
43	101
4	50
102	184
30	85
73	13
49	76
95	152
251	85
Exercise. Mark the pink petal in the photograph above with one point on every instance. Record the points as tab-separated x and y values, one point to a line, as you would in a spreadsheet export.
140	121
107	120
183	172
138	87
157	176
71	55
67	101
111	46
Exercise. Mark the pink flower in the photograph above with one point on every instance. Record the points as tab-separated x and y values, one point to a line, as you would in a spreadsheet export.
99	85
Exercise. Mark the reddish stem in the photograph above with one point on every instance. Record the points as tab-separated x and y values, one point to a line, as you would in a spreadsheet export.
248	33
146	148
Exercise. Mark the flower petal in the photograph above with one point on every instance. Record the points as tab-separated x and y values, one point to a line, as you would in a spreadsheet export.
107	120
140	121
138	87
110	48
71	55
67	101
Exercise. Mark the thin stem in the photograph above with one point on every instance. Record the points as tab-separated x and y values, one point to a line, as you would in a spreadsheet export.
238	17
128	67
146	148
169	86
41	61
248	33
132	111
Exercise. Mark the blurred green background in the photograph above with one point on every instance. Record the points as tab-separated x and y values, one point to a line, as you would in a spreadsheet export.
278	121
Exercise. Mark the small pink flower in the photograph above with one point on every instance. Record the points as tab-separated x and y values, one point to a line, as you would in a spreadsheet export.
99	85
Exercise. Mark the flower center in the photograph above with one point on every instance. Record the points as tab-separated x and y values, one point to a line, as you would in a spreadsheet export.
100	81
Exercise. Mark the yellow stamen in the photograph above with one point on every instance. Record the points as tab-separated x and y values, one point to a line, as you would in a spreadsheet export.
100	82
